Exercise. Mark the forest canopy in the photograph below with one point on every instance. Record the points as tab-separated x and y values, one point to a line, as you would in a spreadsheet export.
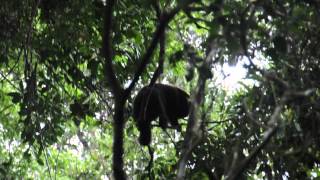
70	71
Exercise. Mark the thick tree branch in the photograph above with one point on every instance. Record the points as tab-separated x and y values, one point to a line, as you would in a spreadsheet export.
118	135
147	56
164	20
107	51
192	136
159	69
117	91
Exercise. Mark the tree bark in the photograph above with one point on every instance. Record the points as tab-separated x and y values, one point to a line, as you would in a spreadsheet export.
117	149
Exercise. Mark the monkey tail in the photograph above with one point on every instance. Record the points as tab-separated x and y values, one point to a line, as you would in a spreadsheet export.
145	134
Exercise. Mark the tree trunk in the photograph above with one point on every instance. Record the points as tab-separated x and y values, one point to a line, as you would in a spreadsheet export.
118	129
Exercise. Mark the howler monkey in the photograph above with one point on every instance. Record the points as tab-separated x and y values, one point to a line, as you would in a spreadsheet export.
167	102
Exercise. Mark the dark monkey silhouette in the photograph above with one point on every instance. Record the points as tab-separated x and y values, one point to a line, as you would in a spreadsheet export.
167	102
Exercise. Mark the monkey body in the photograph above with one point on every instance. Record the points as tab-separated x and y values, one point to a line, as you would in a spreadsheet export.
168	103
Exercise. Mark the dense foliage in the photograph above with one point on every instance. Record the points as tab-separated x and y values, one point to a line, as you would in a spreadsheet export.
69	71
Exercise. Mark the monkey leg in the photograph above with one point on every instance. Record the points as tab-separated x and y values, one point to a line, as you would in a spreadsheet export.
163	122
163	116
145	134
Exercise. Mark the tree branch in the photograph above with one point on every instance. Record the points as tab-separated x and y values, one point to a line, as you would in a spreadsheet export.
117	91
147	56
150	164
159	69
273	124
107	51
192	136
